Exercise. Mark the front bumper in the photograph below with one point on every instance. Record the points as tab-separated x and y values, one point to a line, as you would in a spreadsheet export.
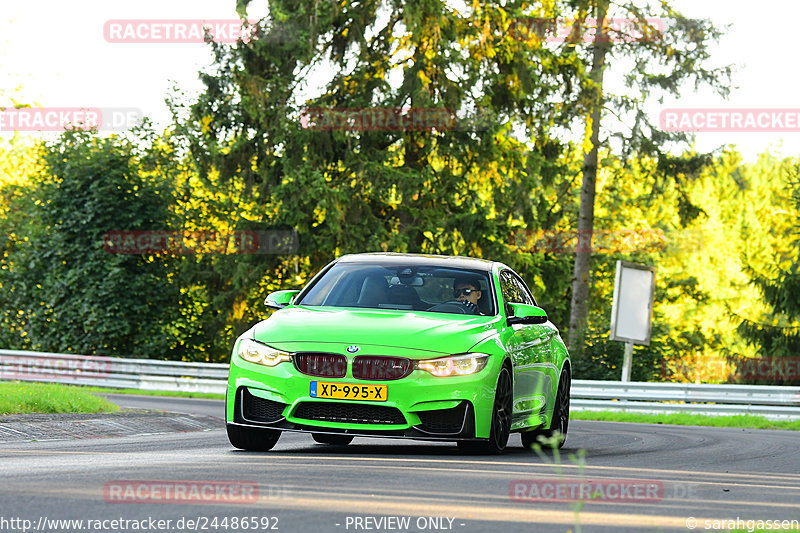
419	406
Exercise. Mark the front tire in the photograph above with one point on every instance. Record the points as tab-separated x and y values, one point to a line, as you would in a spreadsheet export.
501	420
560	422
336	440
253	439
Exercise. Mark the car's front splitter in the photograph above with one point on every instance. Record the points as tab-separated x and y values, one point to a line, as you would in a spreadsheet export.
403	434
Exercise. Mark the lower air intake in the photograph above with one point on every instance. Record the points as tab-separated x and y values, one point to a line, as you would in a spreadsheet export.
349	413
443	421
257	409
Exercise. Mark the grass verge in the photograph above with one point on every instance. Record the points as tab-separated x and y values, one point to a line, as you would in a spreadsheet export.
685	419
20	398
137	392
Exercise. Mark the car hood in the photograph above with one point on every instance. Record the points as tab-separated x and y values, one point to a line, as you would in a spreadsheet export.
333	329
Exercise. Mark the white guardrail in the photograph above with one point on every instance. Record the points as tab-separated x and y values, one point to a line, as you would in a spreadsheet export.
119	373
586	395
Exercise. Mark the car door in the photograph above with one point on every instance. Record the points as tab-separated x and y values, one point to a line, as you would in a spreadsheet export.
530	352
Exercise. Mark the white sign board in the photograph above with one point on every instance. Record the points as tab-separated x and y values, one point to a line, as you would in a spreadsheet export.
632	309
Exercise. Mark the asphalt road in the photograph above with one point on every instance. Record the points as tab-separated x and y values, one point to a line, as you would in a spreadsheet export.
190	406
650	478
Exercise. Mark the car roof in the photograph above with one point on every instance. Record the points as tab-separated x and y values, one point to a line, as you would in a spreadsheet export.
391	258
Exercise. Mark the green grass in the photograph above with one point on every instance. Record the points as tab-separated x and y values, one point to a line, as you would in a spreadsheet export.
18	398
181	394
682	419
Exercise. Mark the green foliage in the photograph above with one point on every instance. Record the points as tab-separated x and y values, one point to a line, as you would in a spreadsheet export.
702	285
18	161
239	157
459	189
66	293
776	331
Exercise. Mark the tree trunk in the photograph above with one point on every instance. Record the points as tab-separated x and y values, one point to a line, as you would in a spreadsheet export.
579	309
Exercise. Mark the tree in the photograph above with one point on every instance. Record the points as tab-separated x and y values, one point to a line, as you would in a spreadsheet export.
67	292
776	333
19	162
656	63
460	187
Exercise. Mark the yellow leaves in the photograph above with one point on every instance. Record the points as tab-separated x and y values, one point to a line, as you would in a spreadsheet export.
477	8
18	161
423	77
238	310
586	146
205	123
486	31
319	216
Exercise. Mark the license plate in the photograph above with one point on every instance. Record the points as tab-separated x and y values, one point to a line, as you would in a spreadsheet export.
349	391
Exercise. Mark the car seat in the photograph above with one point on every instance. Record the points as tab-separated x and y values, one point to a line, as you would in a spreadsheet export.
404	295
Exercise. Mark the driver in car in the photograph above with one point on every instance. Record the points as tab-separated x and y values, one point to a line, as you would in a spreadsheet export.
468	292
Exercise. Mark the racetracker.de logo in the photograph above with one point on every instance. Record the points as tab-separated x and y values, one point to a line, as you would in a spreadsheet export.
730	120
176	31
64	118
377	119
571	30
615	490
200	242
180	492
595	241
54	367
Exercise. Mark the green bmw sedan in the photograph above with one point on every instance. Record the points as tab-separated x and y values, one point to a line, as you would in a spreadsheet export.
403	346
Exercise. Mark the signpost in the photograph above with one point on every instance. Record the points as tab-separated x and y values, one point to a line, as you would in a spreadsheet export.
632	309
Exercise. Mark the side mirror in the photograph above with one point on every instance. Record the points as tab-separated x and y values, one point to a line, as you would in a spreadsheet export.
280	299
525	314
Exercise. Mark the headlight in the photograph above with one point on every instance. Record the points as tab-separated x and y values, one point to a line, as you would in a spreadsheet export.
255	352
455	365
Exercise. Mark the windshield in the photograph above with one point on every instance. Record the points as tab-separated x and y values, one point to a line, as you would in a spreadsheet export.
411	287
